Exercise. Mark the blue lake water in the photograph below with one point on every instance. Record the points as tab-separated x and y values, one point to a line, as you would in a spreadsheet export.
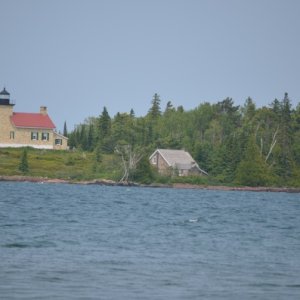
60	241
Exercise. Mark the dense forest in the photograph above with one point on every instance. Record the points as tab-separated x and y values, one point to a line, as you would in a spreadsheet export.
243	145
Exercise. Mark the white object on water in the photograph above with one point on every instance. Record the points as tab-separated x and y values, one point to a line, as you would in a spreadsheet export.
193	220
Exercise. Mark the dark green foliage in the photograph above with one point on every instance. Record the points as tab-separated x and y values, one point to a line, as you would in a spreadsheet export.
285	159
65	133
23	166
144	172
203	153
132	114
90	138
252	170
169	108
98	154
249	110
231	155
70	161
296	135
104	123
219	136
154	111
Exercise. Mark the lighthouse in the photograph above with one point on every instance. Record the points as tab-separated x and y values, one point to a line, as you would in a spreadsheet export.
5	98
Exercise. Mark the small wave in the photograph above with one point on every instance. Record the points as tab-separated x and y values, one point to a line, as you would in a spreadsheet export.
169	283
39	244
72	221
8	225
119	202
16	245
71	242
265	284
293	286
50	279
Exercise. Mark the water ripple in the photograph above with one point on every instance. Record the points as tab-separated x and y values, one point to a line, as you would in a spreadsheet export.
93	242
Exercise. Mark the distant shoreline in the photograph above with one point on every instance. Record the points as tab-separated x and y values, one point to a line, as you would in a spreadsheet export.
175	185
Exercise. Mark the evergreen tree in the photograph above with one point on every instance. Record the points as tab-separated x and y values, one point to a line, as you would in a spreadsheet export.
104	131
98	154
65	129
83	137
296	135
216	134
23	166
276	107
249	109
143	172
104	123
90	137
132	113
228	116
169	107
202	155
155	111
252	170
227	107
180	109
233	146
201	118
285	159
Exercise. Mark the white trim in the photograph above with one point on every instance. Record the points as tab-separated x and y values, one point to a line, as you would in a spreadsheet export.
157	151
26	145
60	135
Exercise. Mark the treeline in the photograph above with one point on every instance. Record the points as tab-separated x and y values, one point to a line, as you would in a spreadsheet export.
235	144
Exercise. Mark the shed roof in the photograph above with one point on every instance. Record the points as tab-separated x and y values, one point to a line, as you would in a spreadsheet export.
178	159
32	120
174	157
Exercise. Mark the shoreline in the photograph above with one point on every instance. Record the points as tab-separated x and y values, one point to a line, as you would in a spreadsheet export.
106	182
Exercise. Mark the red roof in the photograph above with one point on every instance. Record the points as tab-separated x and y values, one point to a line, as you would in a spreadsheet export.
32	120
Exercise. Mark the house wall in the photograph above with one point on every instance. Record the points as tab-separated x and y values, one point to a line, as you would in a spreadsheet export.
11	136
161	165
6	127
23	137
64	142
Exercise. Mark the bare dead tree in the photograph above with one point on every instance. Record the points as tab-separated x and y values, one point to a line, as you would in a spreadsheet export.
130	159
273	143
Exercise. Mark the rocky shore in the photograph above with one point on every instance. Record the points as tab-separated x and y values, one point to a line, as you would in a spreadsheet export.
175	185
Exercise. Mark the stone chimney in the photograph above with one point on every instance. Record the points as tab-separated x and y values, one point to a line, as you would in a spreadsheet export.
43	110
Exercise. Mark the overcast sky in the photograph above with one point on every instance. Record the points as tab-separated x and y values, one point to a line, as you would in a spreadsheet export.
77	56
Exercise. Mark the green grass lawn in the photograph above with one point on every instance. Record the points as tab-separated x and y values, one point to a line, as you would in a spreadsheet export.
79	166
75	165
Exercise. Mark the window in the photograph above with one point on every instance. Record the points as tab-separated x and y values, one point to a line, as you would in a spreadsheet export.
34	135
45	136
58	141
154	159
12	135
